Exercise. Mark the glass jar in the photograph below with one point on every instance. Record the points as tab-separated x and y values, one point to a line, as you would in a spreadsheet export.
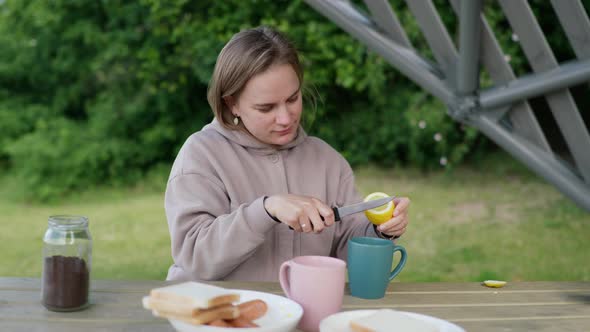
67	261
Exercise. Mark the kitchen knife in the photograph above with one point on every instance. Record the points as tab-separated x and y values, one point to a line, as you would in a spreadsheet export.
344	211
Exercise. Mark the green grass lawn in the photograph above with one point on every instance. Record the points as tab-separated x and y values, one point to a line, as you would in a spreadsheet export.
492	220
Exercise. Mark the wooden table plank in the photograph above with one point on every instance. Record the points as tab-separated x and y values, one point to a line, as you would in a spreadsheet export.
133	310
451	287
394	287
139	286
20	326
116	305
565	296
561	325
95	312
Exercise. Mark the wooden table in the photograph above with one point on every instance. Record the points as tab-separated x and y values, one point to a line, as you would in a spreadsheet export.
116	305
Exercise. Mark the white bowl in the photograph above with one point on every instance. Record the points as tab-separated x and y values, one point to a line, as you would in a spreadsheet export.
340	322
282	316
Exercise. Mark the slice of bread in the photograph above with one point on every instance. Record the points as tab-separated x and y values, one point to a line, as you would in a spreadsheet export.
194	295
226	311
387	320
169	306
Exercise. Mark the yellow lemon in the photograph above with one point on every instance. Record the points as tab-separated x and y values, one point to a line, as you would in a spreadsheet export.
494	283
381	213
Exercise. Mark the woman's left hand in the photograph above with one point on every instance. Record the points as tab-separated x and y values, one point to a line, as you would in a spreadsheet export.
396	226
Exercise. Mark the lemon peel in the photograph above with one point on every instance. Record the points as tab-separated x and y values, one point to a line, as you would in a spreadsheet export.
381	213
494	283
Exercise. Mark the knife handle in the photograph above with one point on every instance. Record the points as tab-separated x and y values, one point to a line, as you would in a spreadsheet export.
336	214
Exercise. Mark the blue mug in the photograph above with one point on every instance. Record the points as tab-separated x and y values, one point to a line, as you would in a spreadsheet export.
369	266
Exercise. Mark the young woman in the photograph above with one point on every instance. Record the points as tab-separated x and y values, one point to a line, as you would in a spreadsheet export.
251	189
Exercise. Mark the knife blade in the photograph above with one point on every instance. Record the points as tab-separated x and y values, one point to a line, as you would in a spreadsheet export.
344	211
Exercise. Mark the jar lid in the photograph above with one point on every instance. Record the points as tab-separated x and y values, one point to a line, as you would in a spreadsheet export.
68	221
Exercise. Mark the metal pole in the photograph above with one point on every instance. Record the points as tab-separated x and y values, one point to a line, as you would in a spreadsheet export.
386	19
566	75
469	36
543	163
406	61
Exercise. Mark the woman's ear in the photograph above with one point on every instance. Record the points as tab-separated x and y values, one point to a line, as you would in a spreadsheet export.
230	102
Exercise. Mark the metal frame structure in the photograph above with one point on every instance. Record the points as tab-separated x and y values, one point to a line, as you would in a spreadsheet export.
454	79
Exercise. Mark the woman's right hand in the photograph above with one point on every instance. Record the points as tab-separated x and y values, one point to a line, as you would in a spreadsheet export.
302	213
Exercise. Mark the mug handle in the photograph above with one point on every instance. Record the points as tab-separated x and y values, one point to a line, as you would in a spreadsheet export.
401	263
284	278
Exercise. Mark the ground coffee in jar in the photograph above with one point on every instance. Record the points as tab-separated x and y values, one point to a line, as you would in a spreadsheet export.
67	254
65	282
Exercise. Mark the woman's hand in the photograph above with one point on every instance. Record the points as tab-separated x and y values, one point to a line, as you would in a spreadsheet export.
302	213
396	226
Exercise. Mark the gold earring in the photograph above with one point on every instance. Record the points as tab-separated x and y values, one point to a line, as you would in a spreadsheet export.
236	120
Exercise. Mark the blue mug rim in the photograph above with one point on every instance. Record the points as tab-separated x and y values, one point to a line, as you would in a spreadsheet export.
371	241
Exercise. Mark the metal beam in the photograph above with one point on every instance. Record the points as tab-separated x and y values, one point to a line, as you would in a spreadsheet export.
387	20
534	85
575	23
520	113
406	61
541	58
469	37
436	35
549	167
512	93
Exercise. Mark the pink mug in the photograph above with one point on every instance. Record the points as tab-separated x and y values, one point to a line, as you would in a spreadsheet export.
317	284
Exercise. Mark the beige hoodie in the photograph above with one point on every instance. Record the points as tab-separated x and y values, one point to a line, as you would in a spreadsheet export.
218	226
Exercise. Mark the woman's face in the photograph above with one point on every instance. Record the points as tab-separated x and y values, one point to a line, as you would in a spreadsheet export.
270	105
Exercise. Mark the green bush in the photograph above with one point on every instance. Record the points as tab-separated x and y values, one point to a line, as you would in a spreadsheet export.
100	92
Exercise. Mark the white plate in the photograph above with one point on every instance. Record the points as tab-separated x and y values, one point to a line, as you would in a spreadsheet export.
339	322
283	315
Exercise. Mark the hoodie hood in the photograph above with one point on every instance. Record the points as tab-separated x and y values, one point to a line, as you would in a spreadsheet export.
248	141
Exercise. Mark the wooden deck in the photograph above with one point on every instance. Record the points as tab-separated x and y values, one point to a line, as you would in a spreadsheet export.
116	305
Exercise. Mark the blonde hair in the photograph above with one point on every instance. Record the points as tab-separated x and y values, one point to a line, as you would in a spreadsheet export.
247	54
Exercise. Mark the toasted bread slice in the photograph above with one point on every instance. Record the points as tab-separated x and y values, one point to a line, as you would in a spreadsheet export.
194	295
386	320
225	311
